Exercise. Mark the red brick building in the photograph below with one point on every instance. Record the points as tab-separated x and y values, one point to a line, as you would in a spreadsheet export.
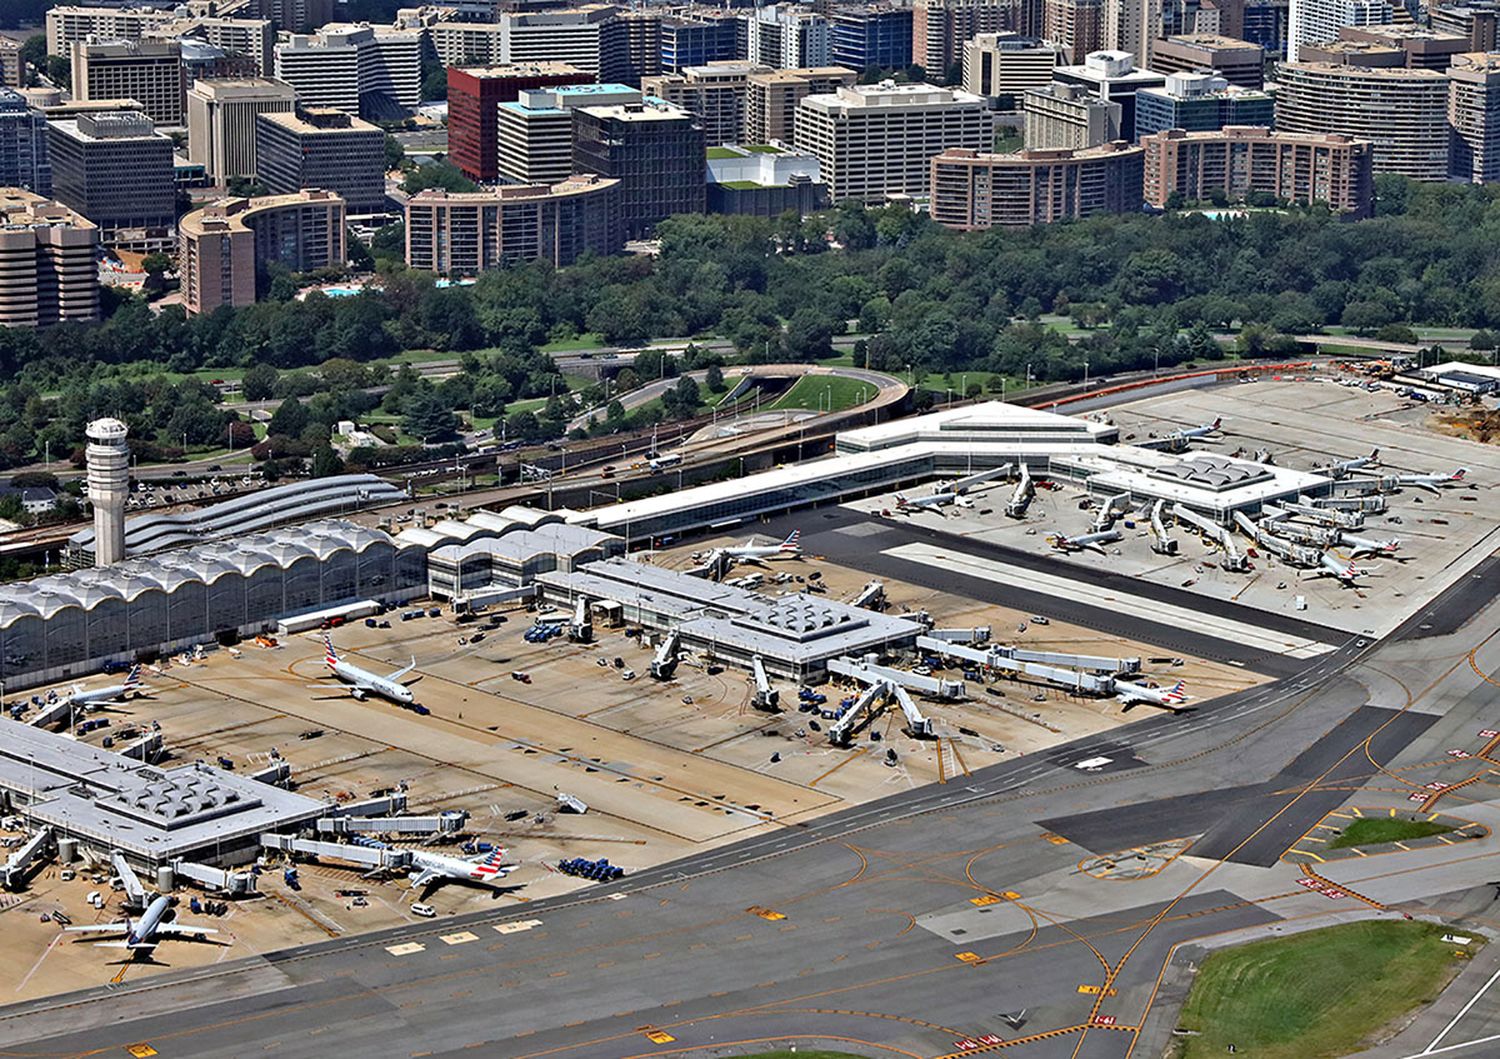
474	93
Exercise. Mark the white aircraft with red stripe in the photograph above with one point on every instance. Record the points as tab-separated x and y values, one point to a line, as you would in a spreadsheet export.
750	552
1168	698
485	869
361	683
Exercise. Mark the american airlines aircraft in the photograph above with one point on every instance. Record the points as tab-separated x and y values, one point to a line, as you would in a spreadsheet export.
1331	566
1168	698
114	694
910	505
1431	481
750	552
147	932
1368	546
1087	541
485	870
361	683
1343	467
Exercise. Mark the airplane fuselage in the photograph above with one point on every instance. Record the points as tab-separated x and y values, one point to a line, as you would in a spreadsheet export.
362	683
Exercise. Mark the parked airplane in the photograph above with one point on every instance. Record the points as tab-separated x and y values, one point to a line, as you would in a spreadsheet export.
1202	432
1431	481
1343	467
1090	541
750	552
1331	566
1369	546
484	869
113	695
147	932
361	683
910	505
1172	698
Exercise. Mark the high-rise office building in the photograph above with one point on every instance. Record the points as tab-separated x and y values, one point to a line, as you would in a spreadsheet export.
654	149
771	109
474	97
48	272
1241	161
11	64
1402	112
250	38
467	43
1474	117
1132	27
224	249
591	38
463	234
1075	26
116	169
642	33
221	122
322	148
535	131
1068	117
150	72
1237	61
1420	48
868	35
1003	66
975	191
874	141
784	37
1200	103
717	95
697	42
1476	21
69	24
296	16
1114	78
1315	21
360	69
23	145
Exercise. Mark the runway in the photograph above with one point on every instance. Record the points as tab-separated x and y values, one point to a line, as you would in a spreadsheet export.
868	930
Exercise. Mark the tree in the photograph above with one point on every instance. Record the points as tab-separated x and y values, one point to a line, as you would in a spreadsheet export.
395	154
713	378
326	462
428	418
809	335
437	174
1367	315
259	382
59	71
156	266
1482	340
289	420
33	54
682	400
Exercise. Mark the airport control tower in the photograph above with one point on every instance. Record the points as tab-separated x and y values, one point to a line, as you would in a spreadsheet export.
109	485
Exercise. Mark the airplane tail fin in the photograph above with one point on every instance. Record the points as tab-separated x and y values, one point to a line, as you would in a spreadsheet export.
1179	688
490	864
1374	455
1217	421
793	541
133	678
1458	475
330	656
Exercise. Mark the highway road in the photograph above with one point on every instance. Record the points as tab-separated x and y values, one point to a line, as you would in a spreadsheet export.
914	924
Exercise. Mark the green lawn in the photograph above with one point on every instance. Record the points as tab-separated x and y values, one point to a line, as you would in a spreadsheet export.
590	340
1373	830
828	393
1316	994
938	384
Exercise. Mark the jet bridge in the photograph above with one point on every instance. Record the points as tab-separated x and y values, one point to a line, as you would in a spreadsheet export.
1020	497
1296	554
447	823
1281	523
1109	512
1234	559
218	880
389	804
664	664
365	856
20	864
1044	664
581	629
868	672
871	597
1161	543
132	883
1374	504
276	774
977	634
871	699
766	697
969	481
58	712
1323	516
147	748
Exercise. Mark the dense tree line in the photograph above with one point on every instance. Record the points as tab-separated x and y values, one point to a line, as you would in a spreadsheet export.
1147	289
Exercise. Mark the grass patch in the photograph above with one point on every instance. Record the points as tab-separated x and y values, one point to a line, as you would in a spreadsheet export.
1321	993
1373	830
828	393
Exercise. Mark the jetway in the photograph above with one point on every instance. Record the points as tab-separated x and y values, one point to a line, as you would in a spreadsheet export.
1161	543
969	481
366	856
1020	497
1074	680
132	882
581	629
1111	510
277	774
978	634
868	673
1356	487
766	697
53	713
1296	554
20	864
1373	504
147	748
218	880
871	597
1322	536
1323	516
1234	559
1010	658
391	804
446	823
664	664
871	699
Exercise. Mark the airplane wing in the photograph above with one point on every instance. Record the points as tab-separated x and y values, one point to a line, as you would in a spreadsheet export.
147	947
755	559
403	671
186	930
99	928
422	878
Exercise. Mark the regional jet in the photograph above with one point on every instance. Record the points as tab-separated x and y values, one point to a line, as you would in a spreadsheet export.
1329	566
1431	481
750	552
1087	541
1343	467
361	683
147	932
1369	546
485	870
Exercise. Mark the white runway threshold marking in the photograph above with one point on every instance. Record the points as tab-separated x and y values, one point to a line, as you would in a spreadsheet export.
1093	595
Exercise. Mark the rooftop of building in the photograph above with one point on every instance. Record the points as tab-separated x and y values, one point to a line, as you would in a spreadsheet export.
20	208
130	49
1039	155
1400	33
229	86
1213	42
1382	73
233	214
577	184
1476	62
110	125
792	75
311	121
514	70
1202	86
1253	132
649	109
1116	67
891	94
